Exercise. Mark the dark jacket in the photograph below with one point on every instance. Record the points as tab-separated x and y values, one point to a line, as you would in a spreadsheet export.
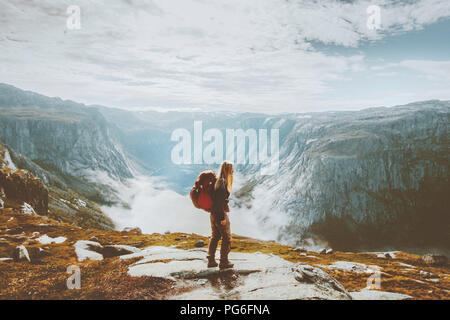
220	200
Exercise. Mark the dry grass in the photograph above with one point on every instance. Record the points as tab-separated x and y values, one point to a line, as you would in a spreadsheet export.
108	279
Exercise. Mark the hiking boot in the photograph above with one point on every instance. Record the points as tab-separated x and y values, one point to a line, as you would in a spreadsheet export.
212	263
225	264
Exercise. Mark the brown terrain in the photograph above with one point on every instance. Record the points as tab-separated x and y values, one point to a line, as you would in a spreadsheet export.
44	274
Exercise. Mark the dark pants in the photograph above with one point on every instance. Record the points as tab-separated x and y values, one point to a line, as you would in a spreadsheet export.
219	231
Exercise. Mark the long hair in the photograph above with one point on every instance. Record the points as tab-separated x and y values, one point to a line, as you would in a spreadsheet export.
225	175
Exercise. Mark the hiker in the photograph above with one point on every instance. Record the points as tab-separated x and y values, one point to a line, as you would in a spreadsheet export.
220	223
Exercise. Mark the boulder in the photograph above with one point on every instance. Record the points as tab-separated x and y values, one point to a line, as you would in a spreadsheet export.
86	249
35	234
110	251
199	244
136	230
368	294
428	275
348	266
21	254
309	274
23	187
435	259
27	209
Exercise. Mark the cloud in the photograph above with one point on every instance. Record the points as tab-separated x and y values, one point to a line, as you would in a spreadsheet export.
440	69
154	208
434	70
345	22
237	55
387	74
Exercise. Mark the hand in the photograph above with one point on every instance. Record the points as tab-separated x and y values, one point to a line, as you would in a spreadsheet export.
223	222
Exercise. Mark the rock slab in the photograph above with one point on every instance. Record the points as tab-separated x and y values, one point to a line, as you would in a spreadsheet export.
254	275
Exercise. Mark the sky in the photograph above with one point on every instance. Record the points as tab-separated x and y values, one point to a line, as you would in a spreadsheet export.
266	56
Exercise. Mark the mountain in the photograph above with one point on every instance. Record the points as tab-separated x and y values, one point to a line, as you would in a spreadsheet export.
146	137
20	187
370	178
70	140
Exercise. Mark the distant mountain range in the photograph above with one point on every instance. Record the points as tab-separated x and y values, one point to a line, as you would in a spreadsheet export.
369	178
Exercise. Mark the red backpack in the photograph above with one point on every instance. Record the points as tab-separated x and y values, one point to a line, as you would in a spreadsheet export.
201	192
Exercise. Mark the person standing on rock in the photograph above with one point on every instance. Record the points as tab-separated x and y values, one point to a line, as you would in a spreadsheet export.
220	223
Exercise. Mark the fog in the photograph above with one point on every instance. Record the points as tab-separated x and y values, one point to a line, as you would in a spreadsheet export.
156	208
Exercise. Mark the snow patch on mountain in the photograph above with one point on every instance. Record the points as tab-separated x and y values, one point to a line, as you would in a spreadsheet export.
45	239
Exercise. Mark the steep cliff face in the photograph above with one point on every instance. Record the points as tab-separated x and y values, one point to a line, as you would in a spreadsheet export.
67	136
70	140
370	178
374	177
69	146
20	187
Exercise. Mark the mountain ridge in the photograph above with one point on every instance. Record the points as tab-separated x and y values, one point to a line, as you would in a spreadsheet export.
346	178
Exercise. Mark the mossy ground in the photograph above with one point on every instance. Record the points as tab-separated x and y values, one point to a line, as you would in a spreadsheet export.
108	279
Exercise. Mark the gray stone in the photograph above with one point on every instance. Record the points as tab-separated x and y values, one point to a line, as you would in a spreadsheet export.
435	259
135	230
367	294
110	251
86	249
428	275
254	275
310	274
